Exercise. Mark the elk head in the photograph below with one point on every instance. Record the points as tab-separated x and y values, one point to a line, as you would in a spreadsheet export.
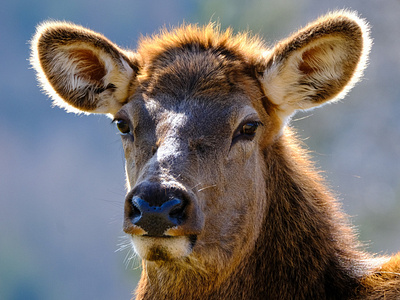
197	110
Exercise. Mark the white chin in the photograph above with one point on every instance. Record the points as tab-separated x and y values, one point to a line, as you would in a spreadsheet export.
161	248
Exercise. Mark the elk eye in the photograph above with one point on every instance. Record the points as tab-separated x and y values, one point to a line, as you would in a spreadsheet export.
246	131
123	126
249	129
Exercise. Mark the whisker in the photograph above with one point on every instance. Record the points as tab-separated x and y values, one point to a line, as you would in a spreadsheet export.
195	186
124	244
302	118
131	260
207	187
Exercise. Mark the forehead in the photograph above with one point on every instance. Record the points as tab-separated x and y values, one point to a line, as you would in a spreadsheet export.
198	70
202	83
192	72
201	63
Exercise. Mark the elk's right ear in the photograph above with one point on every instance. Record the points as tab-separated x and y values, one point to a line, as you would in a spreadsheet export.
82	70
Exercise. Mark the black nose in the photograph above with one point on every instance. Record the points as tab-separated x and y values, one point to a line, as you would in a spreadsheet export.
155	220
156	209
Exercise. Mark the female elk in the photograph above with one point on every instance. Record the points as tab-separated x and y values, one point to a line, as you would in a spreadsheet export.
223	202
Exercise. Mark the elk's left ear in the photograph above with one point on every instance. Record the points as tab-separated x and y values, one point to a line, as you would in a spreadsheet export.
319	63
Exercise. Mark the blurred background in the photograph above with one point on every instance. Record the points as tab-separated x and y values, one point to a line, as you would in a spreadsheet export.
62	176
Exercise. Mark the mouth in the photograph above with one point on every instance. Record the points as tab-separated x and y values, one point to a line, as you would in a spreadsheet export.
163	248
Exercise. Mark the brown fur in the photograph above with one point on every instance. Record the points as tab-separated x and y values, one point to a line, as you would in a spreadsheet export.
259	222
383	283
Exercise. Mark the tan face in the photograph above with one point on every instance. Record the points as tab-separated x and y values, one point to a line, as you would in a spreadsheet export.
201	152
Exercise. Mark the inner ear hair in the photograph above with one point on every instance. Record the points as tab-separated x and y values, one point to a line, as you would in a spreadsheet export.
319	63
80	69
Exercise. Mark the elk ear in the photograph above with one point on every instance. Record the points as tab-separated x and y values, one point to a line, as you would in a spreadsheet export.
80	69
319	63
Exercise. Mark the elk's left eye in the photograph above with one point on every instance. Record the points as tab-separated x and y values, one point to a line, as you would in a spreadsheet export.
246	131
123	126
249	129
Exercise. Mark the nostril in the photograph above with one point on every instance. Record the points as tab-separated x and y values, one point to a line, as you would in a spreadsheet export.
177	212
136	211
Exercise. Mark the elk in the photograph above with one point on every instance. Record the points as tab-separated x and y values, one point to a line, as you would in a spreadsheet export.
223	202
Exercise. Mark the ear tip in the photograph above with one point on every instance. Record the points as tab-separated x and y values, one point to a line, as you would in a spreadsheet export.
54	25
46	32
350	18
50	31
49	26
351	15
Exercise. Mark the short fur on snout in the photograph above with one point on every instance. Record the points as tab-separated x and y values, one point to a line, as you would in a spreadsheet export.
204	118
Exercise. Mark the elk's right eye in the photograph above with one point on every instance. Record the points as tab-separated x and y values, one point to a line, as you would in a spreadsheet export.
123	126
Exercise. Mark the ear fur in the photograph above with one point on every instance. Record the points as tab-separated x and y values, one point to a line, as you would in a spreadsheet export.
319	63
80	69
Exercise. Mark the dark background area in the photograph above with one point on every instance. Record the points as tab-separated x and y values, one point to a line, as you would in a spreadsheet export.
62	176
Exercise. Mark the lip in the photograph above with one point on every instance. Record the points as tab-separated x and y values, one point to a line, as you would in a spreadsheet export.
163	248
158	237
192	238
